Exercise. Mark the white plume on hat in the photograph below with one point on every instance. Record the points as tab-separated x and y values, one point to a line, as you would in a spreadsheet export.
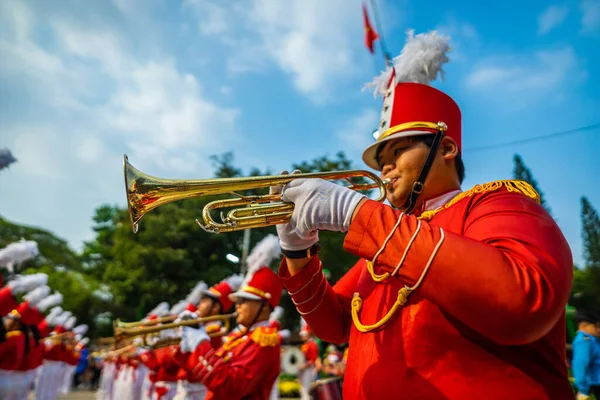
277	314
62	318
50	301
70	323
84	341
178	307
262	255
18	252
80	329
37	295
27	283
420	61
196	294
160	310
54	312
234	282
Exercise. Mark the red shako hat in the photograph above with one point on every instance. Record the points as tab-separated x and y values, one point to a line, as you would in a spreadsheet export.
223	289
260	281
410	106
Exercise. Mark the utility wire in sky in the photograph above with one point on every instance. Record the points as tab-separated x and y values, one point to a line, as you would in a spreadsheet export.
536	138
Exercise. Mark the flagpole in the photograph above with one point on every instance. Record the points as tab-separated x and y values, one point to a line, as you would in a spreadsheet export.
386	54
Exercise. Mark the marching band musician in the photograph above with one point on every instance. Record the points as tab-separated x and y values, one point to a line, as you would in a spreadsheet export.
458	295
307	371
247	365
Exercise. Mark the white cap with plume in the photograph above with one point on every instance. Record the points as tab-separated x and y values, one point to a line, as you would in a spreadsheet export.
26	283
420	61
196	294
80	329
36	295
70	323
18	252
50	301
262	254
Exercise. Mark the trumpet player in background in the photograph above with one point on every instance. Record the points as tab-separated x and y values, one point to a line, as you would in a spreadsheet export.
248	363
458	294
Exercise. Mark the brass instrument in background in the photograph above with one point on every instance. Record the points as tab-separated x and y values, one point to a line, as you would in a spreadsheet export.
145	192
120	324
133	332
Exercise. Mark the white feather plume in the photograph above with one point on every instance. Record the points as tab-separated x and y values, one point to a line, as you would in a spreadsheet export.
235	282
277	314
84	341
178	307
196	294
54	312
26	283
420	61
80	329
70	323
160	309
18	252
262	255
50	301
62	318
37	295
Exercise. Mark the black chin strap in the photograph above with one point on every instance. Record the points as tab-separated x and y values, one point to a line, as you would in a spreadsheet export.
417	187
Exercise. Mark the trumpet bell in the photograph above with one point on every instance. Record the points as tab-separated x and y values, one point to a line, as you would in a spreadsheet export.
145	192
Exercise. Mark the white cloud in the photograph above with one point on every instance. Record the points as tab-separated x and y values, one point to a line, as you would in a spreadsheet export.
298	36
356	134
526	75
552	17
590	20
92	98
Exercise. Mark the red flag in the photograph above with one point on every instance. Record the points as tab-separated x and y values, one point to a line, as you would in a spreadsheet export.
370	35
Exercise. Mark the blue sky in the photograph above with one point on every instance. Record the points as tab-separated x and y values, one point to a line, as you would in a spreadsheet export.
276	82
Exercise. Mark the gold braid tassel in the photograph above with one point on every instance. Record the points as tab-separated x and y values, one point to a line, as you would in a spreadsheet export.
357	305
265	337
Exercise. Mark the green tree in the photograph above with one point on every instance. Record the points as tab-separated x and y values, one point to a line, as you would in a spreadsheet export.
586	283
522	172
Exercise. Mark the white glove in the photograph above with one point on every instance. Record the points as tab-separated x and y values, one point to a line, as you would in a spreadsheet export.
27	283
320	205
288	236
581	396
37	295
191	338
186	315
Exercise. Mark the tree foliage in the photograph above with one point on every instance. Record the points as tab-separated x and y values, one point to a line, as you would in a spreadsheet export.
522	172
586	282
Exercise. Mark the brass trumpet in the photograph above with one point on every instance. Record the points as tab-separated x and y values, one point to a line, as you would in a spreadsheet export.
120	324
145	192
132	332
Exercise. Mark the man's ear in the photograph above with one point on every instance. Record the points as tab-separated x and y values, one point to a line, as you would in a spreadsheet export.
448	148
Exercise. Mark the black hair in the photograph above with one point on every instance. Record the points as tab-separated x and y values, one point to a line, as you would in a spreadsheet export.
586	316
427	140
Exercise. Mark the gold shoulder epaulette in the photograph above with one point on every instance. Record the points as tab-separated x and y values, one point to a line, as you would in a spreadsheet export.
515	186
10	334
265	336
212	328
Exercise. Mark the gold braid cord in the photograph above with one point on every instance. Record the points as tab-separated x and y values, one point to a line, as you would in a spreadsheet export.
510	185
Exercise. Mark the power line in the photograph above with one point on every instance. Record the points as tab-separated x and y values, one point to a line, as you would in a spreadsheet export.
536	138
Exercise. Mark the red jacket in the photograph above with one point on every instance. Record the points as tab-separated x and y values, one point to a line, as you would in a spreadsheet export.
246	367
12	349
487	321
34	356
7	301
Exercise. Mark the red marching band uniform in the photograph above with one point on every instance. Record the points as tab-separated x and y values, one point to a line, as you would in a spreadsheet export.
461	299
